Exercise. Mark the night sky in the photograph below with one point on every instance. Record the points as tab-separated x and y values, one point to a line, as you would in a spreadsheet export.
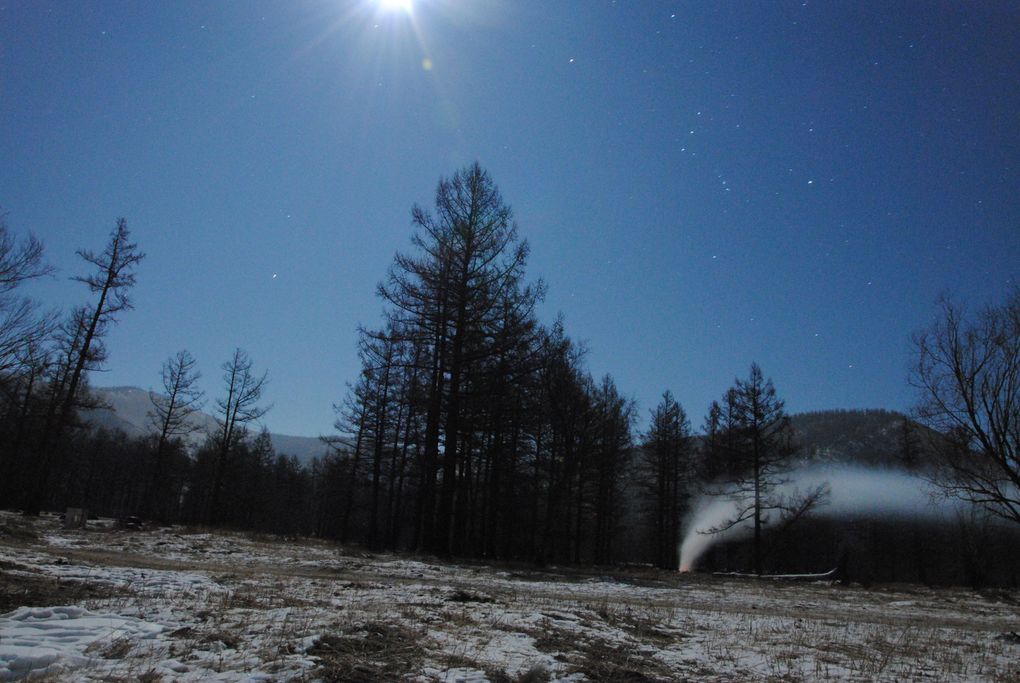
703	184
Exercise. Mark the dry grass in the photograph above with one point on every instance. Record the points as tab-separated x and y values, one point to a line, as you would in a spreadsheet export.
369	652
20	590
384	621
600	659
14	531
114	649
461	595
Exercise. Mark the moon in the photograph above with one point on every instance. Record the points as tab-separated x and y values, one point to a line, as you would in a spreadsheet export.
396	5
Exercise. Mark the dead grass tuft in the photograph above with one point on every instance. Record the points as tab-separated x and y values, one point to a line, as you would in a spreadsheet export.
20	590
536	674
371	652
12	529
115	649
229	640
251	596
144	677
461	595
620	664
600	660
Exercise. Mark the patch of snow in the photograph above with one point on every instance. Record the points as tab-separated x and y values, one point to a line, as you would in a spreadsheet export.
38	640
238	607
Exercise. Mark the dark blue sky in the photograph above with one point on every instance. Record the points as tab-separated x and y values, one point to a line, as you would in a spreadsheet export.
703	184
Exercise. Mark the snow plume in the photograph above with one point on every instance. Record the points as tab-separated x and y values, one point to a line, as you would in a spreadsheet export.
852	491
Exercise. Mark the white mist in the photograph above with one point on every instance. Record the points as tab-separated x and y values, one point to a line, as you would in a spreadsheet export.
852	491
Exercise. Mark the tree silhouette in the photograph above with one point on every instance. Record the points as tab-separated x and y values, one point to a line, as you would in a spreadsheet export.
234	412
968	375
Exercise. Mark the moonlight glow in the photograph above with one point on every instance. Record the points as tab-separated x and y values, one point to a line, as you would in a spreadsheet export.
397	5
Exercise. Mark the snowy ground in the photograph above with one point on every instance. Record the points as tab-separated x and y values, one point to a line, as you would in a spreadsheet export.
175	605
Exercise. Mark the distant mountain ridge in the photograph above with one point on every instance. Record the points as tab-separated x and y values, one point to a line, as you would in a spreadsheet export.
129	408
873	437
865	437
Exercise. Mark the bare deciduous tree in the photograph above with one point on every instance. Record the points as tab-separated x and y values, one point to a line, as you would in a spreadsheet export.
668	458
968	374
171	413
763	440
21	325
234	412
82	347
454	298
113	277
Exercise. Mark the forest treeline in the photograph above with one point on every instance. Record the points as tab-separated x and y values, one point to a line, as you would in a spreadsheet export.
473	428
